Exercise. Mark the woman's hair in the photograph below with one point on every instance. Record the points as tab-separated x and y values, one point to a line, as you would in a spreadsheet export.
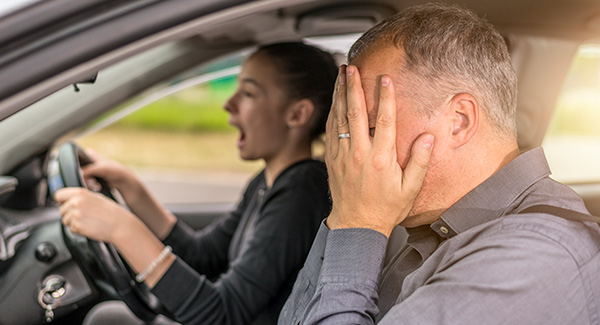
307	73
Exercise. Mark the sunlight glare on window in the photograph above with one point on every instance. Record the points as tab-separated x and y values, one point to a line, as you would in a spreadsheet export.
572	142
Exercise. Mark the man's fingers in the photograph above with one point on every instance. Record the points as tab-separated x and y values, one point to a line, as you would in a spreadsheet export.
342	108
331	128
385	126
356	117
415	171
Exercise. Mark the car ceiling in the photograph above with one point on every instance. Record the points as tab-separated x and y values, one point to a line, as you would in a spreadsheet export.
559	24
578	19
565	18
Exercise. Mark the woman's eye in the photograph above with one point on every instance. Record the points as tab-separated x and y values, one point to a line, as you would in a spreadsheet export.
247	94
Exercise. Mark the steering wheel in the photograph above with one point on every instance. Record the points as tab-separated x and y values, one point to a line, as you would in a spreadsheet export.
136	295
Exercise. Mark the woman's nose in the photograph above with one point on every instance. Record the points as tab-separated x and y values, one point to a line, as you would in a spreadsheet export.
230	104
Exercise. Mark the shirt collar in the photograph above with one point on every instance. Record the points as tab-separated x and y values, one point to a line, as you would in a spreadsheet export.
491	198
424	240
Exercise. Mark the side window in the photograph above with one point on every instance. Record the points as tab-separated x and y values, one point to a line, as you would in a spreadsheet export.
176	136
572	142
179	142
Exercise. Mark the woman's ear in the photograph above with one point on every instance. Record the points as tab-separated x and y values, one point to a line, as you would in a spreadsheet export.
299	113
464	116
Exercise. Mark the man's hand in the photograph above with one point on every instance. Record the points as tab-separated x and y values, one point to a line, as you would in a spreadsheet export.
368	187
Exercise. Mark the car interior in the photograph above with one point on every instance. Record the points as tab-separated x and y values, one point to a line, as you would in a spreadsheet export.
81	64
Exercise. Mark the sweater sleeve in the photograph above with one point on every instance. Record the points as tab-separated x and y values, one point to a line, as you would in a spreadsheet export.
206	250
274	251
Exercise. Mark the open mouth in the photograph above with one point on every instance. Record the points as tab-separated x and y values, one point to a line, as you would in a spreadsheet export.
242	139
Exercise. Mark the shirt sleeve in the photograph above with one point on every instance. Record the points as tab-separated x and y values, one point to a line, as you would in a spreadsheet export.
274	252
346	291
306	282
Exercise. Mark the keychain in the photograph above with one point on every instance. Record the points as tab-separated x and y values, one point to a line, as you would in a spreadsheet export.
50	296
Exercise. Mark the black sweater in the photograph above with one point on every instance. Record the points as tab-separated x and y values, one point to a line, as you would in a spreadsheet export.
252	255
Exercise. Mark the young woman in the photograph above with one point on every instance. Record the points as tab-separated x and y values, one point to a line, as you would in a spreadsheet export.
240	269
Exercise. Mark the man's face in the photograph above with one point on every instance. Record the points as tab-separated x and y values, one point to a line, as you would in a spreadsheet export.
410	124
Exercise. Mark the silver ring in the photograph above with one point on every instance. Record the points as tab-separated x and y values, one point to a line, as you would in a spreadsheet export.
344	136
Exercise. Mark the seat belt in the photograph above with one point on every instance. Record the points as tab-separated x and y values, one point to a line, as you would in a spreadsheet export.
562	213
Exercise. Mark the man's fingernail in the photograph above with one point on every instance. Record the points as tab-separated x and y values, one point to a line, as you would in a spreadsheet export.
341	77
385	81
428	141
350	70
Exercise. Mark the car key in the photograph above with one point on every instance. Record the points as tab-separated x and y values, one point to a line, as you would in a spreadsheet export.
50	296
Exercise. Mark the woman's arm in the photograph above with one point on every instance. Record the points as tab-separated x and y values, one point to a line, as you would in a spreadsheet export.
137	196
99	218
274	251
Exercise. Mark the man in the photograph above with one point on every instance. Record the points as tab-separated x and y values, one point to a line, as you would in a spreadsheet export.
489	235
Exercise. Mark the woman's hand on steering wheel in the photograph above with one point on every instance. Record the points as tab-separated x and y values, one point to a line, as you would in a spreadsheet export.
116	175
93	215
102	219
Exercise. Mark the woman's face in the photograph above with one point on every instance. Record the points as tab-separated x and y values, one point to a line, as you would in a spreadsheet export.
258	110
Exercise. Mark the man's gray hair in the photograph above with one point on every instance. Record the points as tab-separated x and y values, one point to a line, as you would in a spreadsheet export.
448	50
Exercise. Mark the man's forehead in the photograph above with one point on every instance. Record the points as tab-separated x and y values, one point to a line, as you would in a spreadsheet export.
369	75
377	61
367	80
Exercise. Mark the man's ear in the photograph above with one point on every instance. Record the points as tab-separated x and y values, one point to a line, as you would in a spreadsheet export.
464	116
299	113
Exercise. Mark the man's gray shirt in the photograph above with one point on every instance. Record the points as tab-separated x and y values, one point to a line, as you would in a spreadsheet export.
483	262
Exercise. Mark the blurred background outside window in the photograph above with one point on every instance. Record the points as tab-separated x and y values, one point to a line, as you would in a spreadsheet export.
184	149
572	142
181	144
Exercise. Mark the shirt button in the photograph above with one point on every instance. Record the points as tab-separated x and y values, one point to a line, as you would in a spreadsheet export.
444	230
